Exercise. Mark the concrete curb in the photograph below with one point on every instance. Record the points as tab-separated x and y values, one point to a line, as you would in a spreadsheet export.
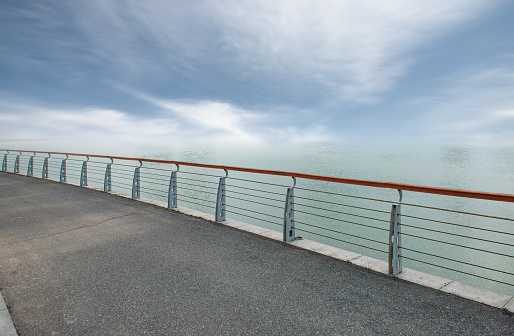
6	324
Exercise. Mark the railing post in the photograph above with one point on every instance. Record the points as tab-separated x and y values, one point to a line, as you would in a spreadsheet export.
17	165
221	213
289	233
107	178
44	174
62	176
4	163
395	252
172	191
136	184
30	167
83	175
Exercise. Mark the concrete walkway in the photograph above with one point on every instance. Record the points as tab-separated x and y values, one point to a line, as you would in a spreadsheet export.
75	261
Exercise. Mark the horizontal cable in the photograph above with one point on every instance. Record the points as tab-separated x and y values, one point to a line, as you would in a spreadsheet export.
347	234
95	179
451	269
458	211
273	184
341	240
146	188
341	220
464	246
455	224
200	191
153	168
116	169
116	174
347	195
196	180
196	198
342	204
99	162
455	234
344	213
118	183
96	170
199	199
253	189
251	201
153	182
121	164
152	177
264	220
260	213
185	172
181	183
151	193
240	193
457	261
121	186
205	205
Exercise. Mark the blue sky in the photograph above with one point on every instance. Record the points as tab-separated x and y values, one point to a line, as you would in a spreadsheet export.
252	72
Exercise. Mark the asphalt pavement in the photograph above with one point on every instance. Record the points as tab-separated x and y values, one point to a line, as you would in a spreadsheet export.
76	261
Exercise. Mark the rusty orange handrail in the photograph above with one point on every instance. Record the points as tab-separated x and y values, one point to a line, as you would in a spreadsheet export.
378	184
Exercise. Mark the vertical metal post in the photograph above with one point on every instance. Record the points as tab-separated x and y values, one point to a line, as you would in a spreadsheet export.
44	174
17	165
30	168
4	163
83	175
136	184
395	249
62	176
107	178
221	213
172	191
289	232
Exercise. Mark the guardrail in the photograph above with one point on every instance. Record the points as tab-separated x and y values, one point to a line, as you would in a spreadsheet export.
448	236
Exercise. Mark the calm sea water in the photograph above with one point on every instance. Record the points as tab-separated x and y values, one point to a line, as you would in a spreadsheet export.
323	217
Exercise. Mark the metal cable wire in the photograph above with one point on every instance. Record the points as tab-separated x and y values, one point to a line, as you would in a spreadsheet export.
151	177
197	185
242	199
146	188
273	184
458	245
186	172
167	170
341	220
205	205
196	198
451	269
260	213
151	193
457	261
461	225
240	193
341	240
347	195
196	180
121	186
200	191
264	220
344	233
456	234
344	213
458	211
342	204
153	182
118	183
116	174
264	191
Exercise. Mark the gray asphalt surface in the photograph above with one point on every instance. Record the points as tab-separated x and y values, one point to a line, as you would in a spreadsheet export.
75	261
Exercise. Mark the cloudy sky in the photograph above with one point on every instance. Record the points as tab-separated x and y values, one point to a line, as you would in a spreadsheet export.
250	72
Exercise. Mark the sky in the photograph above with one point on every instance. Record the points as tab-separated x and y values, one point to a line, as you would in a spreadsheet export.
257	72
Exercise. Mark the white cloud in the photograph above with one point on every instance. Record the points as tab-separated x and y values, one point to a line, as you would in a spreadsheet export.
177	122
475	109
346	49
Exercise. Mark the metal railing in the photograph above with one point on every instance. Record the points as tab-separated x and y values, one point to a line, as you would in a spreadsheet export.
454	233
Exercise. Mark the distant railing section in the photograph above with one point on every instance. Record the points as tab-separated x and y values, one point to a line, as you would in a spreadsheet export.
469	243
